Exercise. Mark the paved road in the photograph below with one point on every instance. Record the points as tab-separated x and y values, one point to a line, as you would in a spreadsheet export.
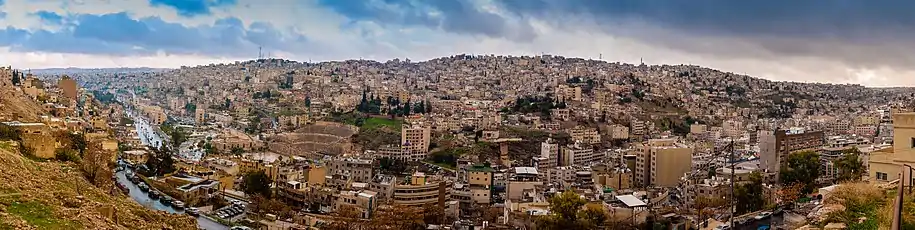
150	138
141	197
147	133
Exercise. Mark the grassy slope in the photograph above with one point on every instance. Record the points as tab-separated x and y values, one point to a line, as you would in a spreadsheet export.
44	195
374	122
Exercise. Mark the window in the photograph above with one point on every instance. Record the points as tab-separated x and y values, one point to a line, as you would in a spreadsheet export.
881	176
913	142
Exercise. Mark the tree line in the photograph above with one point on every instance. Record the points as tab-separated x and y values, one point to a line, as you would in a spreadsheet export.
372	104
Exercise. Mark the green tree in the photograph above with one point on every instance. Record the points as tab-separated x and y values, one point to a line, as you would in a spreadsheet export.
237	151
160	162
850	166
190	107
9	133
564	210
749	196
256	183
177	136
802	168
78	142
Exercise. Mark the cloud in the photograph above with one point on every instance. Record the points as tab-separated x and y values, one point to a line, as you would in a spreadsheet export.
50	17
456	16
861	34
190	8
840	41
118	34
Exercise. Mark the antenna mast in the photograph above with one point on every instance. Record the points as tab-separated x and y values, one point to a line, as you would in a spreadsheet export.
260	56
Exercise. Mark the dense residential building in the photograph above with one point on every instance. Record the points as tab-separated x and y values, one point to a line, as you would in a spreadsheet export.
488	139
775	146
662	162
416	139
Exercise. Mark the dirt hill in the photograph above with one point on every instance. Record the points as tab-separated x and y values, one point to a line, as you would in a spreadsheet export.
51	195
15	105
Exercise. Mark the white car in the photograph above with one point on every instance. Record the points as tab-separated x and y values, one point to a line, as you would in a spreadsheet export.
723	227
763	215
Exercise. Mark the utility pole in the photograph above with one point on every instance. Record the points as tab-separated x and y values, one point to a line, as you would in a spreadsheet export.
733	207
897	205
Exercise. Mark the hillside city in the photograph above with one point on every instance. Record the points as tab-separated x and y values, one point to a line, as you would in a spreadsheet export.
458	142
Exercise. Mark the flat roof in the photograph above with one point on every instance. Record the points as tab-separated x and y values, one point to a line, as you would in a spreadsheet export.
526	170
631	201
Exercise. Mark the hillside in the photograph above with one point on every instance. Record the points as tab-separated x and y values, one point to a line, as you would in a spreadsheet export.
51	195
15	105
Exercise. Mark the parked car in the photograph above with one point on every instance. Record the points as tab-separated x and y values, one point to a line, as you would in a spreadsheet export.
763	215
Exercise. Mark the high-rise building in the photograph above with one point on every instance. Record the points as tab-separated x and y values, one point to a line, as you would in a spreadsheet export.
775	146
415	138
662	162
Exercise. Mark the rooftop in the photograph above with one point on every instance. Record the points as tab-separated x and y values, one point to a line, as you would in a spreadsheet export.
631	201
526	170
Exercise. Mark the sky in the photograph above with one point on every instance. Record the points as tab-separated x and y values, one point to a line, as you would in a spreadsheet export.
837	41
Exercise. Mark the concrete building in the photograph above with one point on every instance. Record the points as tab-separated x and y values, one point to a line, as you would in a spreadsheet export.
774	147
549	155
619	132
662	162
888	164
68	86
200	115
155	114
698	129
416	140
293	121
351	169
480	181
421	190
363	201
585	135
576	154
637	128
567	93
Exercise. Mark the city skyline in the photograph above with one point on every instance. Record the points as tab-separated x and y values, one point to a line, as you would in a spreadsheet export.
842	42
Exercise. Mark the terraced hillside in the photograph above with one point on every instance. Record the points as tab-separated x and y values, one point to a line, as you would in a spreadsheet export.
321	137
51	195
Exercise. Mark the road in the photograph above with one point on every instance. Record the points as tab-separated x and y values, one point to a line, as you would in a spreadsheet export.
147	133
141	197
150	137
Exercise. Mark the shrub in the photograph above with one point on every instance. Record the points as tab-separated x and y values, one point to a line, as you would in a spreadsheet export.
66	155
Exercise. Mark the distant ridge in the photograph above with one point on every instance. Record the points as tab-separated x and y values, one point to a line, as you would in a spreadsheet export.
72	70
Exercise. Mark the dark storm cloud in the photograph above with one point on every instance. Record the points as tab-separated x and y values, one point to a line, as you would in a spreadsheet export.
865	34
859	33
458	16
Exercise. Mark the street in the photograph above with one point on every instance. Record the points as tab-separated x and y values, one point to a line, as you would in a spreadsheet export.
141	197
150	137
